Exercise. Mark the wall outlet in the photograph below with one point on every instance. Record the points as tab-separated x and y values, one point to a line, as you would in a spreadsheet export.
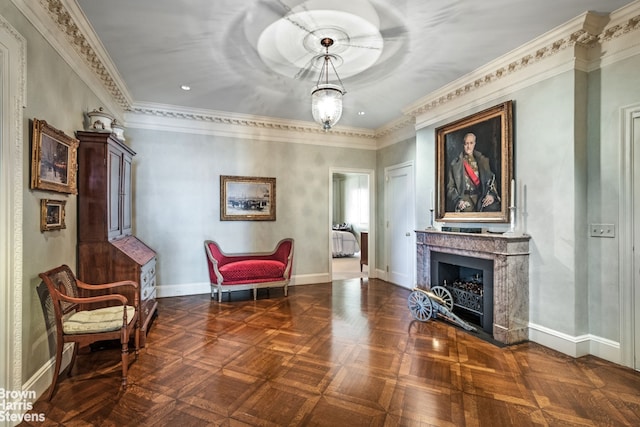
602	230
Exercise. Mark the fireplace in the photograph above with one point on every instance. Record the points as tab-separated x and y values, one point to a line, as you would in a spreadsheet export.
499	262
470	282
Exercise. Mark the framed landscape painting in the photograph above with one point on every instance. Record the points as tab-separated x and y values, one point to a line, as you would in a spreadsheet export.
244	198
474	167
53	159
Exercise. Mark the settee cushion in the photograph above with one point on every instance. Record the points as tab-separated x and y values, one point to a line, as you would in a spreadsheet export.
260	270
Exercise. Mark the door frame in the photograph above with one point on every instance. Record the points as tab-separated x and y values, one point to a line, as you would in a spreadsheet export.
371	174
629	289
412	202
13	84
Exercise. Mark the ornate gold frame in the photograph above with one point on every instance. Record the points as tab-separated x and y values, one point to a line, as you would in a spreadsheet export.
54	157
244	198
52	214
494	139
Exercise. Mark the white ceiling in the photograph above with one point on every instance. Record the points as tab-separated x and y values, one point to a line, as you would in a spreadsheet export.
236	60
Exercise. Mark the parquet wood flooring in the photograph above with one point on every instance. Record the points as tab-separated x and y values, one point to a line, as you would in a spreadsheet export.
345	353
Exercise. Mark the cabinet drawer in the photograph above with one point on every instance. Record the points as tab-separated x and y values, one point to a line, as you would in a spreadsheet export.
147	272
148	290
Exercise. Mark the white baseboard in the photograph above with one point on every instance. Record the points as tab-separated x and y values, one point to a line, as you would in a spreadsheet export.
575	346
184	289
41	380
310	279
381	274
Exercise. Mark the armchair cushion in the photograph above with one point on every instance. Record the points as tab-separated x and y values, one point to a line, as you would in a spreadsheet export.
98	320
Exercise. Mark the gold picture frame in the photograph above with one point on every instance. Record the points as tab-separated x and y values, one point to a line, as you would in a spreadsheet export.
54	157
481	196
245	198
52	213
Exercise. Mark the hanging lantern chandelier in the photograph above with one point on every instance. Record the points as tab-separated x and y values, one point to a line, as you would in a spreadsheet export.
326	98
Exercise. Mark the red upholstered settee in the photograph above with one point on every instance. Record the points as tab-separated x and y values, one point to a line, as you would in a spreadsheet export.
240	271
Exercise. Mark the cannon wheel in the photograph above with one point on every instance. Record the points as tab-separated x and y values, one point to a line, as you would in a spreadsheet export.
442	292
420	306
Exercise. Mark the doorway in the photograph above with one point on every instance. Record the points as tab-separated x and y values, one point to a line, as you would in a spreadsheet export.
629	236
635	291
13	79
400	224
351	228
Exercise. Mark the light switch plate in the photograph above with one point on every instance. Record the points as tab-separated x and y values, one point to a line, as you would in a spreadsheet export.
602	230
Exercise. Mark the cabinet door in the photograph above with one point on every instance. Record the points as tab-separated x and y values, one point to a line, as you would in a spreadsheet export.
114	164
126	194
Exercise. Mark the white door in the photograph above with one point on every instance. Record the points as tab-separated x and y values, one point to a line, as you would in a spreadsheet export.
400	218
635	130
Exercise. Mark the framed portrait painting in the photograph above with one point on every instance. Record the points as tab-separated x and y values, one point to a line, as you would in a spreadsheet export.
52	215
244	198
474	167
54	157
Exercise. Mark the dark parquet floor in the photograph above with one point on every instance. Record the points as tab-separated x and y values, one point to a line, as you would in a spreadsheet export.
345	353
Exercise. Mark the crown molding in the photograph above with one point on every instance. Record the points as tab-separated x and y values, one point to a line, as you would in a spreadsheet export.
396	131
58	26
183	120
569	46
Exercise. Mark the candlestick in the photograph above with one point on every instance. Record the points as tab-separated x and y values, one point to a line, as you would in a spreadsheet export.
513	192
431	200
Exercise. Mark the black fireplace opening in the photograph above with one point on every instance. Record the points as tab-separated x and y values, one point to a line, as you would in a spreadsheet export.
470	282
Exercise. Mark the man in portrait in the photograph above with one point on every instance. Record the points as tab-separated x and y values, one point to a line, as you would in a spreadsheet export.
471	184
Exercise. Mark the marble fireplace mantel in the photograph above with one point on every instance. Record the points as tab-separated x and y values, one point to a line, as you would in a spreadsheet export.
510	256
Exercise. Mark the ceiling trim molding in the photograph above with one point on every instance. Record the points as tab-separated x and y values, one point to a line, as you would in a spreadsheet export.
399	130
66	28
581	31
577	38
59	28
168	118
64	25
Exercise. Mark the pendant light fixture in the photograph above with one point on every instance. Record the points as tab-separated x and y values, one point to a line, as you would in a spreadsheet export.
326	98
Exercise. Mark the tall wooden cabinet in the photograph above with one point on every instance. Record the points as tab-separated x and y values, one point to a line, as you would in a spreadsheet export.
107	250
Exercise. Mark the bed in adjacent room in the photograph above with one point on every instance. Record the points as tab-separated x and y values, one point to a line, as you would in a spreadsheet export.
344	241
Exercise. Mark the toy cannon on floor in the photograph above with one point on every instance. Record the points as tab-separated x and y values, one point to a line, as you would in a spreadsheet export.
437	302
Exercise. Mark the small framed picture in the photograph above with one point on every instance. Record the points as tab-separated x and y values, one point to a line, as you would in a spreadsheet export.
53	159
52	215
245	198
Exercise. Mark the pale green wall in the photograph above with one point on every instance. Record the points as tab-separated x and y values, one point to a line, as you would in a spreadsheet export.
566	162
55	94
176	189
544	156
177	198
610	89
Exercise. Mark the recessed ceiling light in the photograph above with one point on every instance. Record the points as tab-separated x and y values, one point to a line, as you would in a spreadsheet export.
185	87
361	113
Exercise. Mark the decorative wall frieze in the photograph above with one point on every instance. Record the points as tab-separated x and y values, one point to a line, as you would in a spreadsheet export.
167	118
580	35
59	12
632	24
249	121
591	33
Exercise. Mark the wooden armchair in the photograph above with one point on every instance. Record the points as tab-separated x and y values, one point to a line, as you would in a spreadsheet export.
76	322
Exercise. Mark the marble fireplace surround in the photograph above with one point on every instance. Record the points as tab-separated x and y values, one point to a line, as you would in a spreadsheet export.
510	256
